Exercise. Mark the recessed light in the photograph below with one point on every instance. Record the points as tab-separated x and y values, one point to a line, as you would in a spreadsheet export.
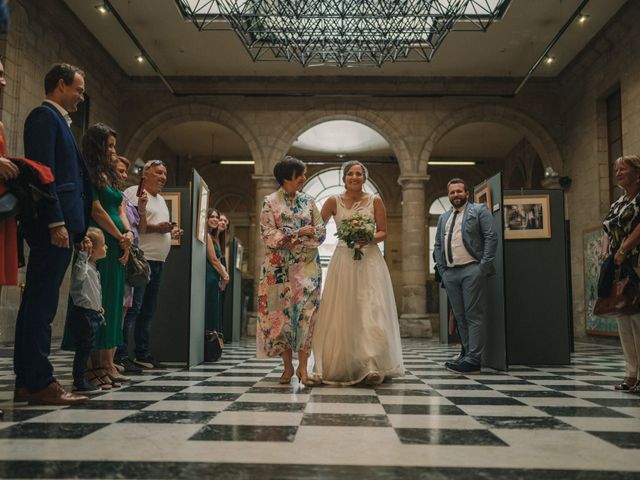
102	9
549	60
139	58
583	18
460	163
237	162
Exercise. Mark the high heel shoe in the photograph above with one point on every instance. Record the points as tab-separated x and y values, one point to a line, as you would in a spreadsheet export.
304	379
285	378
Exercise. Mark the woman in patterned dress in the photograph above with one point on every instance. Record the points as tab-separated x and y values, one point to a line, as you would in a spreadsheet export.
622	229
289	289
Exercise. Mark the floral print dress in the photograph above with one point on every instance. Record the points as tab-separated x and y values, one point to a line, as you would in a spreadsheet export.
291	276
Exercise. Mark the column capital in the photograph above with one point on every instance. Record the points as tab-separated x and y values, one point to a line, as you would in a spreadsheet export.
413	181
265	181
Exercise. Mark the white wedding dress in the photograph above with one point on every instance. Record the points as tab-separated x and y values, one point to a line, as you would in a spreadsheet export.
356	330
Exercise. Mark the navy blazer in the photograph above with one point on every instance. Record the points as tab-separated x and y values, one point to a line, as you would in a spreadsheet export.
48	140
478	237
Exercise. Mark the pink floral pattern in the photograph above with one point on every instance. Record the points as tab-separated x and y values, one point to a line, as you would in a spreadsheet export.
291	276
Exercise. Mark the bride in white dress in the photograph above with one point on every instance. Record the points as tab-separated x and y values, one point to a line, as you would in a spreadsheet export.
356	335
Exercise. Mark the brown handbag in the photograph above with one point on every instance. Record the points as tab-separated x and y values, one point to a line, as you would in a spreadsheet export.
623	299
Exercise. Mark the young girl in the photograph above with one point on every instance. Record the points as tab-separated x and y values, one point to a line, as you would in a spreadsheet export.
87	311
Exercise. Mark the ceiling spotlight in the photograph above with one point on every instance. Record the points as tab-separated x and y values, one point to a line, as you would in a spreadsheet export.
549	60
139	58
102	9
583	19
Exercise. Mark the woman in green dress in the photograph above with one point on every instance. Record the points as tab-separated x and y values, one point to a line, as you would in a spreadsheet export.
217	276
108	213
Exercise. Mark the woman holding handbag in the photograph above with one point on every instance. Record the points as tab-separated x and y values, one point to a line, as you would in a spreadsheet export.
622	239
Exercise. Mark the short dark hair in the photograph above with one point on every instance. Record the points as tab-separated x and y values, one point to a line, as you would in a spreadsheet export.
458	180
59	71
286	167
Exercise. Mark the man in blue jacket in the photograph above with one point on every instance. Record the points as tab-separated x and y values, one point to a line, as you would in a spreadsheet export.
60	222
465	246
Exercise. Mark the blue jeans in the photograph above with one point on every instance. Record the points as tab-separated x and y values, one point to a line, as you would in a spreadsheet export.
147	309
129	320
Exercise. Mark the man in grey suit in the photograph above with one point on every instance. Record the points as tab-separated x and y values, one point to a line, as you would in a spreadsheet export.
465	246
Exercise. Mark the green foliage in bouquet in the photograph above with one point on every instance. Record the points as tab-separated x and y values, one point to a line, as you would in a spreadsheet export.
355	228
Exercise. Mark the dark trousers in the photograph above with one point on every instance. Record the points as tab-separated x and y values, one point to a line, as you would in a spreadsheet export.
147	309
129	321
83	326
45	271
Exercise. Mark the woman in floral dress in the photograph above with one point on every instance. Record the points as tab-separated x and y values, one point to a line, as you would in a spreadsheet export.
289	289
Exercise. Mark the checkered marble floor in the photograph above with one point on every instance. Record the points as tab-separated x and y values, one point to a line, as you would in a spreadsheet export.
231	419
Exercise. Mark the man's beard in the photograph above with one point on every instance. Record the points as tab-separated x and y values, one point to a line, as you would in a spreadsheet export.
459	202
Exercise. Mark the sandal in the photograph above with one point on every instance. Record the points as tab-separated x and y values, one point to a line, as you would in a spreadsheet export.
106	379
636	388
627	384
94	377
117	378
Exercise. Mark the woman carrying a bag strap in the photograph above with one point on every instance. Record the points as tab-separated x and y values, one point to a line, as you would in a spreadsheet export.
622	239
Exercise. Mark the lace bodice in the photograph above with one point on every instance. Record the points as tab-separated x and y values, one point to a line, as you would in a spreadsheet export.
363	207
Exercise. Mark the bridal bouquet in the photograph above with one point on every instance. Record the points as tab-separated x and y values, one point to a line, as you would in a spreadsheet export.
352	229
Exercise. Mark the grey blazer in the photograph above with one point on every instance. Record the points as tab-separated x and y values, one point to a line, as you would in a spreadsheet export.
478	237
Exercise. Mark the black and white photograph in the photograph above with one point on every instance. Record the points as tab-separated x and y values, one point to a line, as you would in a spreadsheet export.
526	217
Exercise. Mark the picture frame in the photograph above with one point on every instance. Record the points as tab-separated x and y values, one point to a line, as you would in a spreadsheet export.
173	201
203	205
591	260
482	194
527	217
239	253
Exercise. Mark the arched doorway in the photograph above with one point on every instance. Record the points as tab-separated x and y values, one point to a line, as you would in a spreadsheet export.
326	146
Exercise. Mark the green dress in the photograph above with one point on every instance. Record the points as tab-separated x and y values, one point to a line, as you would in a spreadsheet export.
109	333
213	296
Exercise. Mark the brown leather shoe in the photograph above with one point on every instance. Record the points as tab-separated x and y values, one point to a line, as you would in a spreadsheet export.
21	394
54	394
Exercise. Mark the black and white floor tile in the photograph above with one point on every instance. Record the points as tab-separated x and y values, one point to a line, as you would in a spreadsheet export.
232	419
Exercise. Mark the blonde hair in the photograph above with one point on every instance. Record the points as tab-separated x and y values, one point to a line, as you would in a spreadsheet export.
96	236
630	160
125	161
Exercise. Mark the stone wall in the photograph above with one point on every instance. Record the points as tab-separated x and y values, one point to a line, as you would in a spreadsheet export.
609	62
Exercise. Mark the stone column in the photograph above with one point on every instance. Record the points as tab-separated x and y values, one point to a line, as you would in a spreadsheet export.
265	184
413	310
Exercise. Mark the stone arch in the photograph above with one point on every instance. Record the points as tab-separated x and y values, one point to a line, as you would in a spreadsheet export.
234	202
532	131
151	129
354	113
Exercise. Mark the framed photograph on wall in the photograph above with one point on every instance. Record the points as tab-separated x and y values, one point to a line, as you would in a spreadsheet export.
203	205
527	217
173	200
482	194
591	258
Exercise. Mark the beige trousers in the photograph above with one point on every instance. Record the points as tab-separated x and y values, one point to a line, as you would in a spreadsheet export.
629	328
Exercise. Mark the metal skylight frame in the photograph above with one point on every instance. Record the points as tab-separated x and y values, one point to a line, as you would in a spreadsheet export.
343	33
